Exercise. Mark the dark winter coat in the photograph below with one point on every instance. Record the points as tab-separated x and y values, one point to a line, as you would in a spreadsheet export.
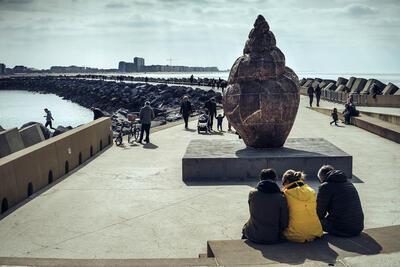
310	91
211	107
339	204
268	213
146	115
186	108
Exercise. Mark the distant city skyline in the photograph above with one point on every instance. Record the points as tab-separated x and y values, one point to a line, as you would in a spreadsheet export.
334	36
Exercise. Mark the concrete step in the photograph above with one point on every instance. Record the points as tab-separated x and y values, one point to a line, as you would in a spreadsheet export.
391	118
204	262
328	250
372	124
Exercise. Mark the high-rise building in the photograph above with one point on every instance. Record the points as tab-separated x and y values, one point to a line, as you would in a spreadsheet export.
139	63
2	68
122	66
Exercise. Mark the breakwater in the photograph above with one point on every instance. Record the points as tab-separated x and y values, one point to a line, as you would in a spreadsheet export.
112	96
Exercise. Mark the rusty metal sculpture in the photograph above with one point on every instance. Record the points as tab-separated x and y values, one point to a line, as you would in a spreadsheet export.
262	96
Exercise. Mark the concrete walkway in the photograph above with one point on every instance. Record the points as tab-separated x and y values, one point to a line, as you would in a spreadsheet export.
131	202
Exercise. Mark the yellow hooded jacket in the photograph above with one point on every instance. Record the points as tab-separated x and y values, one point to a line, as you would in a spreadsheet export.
304	224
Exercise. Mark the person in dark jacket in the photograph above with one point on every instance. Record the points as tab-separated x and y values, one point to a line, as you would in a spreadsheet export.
211	107
146	116
186	110
310	93
269	214
338	204
317	92
335	117
97	113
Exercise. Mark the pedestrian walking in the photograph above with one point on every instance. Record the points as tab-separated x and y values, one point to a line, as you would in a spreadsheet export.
310	93
186	110
49	119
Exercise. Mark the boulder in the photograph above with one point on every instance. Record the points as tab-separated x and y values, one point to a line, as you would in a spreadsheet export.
61	129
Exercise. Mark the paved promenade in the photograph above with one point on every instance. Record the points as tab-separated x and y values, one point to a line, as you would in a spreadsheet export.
131	202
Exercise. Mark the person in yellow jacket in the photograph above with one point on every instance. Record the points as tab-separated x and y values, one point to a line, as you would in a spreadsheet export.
304	224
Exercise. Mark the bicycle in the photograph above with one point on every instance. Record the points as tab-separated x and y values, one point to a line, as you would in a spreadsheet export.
134	130
133	134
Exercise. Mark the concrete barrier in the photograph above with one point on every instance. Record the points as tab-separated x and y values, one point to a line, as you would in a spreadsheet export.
10	142
338	96
29	170
31	135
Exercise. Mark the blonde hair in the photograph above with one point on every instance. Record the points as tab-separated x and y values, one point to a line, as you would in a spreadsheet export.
291	176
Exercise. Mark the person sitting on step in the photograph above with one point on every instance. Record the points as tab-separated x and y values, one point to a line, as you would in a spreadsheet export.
338	204
304	224
268	211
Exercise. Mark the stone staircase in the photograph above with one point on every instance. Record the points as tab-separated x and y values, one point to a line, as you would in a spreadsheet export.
384	125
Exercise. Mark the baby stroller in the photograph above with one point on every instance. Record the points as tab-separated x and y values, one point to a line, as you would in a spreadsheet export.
202	124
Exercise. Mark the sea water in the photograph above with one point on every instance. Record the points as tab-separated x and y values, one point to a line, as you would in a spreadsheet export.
20	107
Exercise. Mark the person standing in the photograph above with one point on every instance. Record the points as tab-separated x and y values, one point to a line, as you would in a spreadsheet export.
310	93
317	92
49	119
186	110
146	116
211	107
268	211
338	204
220	119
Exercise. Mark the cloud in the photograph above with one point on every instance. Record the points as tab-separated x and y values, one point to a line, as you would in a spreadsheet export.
360	10
116	5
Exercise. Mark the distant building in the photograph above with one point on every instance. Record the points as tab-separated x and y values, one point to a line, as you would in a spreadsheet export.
20	69
2	69
138	65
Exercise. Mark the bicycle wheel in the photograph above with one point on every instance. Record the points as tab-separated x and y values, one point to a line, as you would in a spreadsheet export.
118	140
136	134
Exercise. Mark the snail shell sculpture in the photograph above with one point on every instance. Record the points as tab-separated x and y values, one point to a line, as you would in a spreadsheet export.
262	96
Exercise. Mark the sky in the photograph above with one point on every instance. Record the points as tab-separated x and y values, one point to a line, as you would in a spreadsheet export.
335	36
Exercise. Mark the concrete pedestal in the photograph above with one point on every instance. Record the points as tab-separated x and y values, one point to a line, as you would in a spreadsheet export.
219	159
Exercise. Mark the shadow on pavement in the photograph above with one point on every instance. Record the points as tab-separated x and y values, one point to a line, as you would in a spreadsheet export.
150	146
325	249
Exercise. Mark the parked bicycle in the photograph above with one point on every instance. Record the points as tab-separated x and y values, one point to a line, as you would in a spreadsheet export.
133	133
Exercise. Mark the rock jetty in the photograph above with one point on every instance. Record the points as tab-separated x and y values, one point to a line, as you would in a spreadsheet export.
116	98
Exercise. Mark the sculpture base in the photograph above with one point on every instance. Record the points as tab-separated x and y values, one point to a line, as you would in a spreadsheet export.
220	159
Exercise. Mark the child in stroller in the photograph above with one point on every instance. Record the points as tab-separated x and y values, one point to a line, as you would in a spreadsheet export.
202	124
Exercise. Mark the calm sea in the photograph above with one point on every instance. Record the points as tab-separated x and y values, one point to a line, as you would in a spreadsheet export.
19	107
